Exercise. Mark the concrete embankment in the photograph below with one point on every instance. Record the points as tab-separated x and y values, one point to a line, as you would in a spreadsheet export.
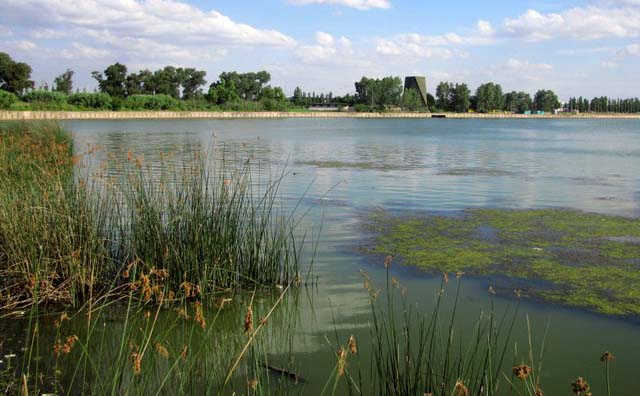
159	115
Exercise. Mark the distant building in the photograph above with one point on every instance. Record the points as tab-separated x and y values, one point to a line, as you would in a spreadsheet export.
419	83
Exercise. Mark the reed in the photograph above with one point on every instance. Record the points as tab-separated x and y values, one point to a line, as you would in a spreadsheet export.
203	224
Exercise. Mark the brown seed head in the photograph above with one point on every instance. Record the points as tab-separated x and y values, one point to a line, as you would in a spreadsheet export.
539	392
522	371
387	261
342	361
162	351
461	389
136	362
199	318
353	345
248	321
607	357
580	386
445	277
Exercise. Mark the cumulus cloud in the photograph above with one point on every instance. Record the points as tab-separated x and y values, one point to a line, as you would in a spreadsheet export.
329	50
436	46
154	20
357	4
581	23
521	66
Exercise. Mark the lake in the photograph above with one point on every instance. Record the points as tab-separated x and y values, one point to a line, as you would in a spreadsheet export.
341	171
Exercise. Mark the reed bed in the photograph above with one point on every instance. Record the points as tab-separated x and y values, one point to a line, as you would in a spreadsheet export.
418	353
68	237
130	283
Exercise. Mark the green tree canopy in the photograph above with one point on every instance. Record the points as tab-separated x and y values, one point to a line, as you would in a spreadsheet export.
546	100
488	97
64	82
113	81
379	93
15	77
517	102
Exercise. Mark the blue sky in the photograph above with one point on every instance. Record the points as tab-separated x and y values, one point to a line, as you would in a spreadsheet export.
587	48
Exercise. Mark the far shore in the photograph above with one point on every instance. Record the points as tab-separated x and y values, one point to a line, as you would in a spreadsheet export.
135	115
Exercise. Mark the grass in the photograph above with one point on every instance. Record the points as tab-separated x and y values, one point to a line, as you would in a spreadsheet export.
149	270
574	258
417	352
66	236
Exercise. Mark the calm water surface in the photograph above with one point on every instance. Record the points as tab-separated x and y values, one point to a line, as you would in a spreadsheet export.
351	167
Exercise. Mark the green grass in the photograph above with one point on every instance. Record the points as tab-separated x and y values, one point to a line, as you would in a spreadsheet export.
67	237
574	258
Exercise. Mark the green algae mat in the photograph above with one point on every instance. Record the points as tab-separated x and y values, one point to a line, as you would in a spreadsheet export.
574	258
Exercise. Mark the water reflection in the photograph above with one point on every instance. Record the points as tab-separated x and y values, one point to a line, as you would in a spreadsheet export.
420	165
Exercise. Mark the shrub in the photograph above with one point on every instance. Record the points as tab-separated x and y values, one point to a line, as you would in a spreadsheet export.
151	102
7	99
48	97
99	101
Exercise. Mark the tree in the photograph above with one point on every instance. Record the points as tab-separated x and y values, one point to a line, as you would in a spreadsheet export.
223	92
379	93
247	85
167	82
298	97
269	93
15	77
546	100
517	102
443	100
192	81
460	98
64	82
488	97
411	100
113	82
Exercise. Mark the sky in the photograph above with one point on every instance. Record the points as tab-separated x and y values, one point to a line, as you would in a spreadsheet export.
576	48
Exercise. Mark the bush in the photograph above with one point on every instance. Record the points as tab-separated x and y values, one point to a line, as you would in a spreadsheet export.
99	101
45	97
7	99
20	106
151	102
274	105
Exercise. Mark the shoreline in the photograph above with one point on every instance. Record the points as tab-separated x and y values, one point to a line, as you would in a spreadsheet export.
160	115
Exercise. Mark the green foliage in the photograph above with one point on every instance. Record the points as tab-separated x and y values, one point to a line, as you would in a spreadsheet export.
64	82
545	100
71	235
93	101
489	98
411	100
379	93
42	96
7	99
453	97
247	86
113	82
151	102
517	102
15	77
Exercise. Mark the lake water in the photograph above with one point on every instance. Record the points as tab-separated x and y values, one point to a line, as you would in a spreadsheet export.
346	168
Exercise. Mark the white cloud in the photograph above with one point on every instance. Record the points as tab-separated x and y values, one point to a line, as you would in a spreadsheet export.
324	38
521	66
401	48
609	64
357	4
161	20
485	28
5	31
580	23
632	49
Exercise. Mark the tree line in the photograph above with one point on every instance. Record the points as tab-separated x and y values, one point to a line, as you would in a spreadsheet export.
177	88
